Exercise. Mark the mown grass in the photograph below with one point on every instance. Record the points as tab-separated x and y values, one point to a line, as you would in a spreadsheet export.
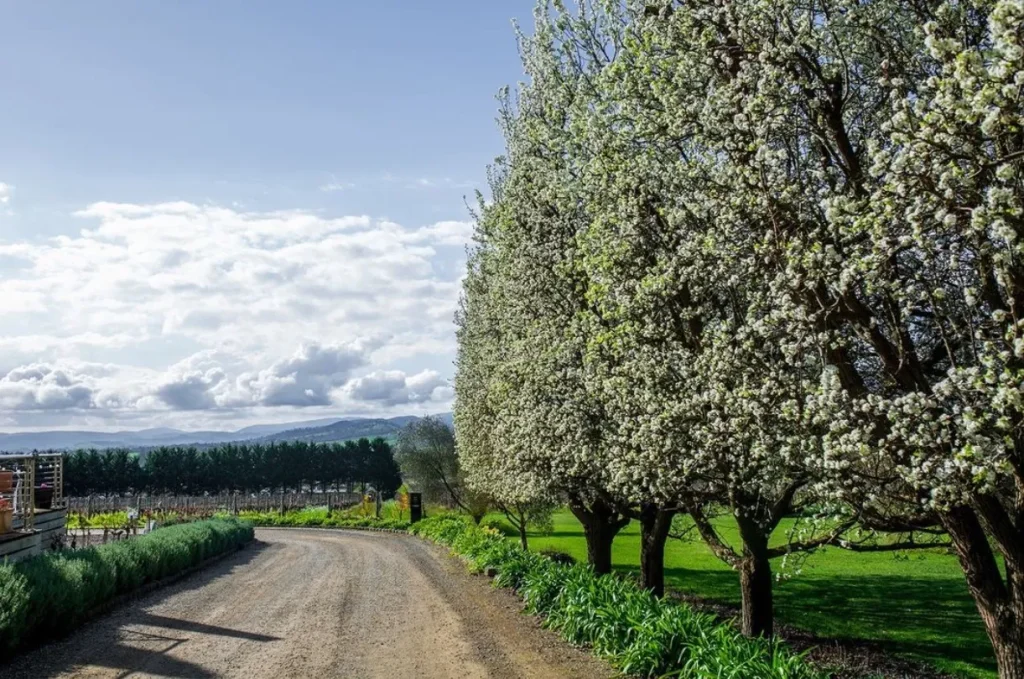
916	605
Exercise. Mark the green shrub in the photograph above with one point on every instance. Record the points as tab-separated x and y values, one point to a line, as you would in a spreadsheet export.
638	633
51	594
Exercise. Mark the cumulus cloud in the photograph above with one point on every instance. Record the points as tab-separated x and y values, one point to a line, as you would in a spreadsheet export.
445	233
394	387
308	377
42	387
190	391
213	379
204	307
6	191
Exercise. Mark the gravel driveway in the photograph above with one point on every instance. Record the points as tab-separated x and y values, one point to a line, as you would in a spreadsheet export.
318	603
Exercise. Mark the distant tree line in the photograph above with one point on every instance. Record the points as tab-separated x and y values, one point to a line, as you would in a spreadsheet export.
279	466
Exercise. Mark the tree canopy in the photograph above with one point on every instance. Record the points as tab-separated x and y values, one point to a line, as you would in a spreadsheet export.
761	256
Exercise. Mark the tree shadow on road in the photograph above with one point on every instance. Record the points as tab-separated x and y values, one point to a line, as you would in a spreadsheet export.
150	620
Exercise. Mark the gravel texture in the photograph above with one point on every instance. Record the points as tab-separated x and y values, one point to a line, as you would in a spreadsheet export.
318	603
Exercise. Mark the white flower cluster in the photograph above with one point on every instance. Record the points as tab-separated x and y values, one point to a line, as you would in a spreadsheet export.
762	252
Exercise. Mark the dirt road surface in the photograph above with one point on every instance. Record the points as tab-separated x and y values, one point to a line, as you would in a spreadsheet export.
318	603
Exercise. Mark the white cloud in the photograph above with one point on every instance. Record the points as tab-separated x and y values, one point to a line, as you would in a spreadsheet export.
191	391
40	387
45	387
190	384
6	191
333	186
394	387
445	233
236	292
308	377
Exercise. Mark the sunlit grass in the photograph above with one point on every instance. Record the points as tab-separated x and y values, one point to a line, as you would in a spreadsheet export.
917	605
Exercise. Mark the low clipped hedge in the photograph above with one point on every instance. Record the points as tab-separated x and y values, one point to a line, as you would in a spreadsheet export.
51	594
319	518
641	635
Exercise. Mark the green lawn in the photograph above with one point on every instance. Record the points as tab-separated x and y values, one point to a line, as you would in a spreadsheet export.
917	605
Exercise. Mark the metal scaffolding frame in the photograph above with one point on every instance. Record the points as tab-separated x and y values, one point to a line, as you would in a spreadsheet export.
31	470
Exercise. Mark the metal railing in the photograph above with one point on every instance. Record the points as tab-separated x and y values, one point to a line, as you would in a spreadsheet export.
234	502
40	471
50	474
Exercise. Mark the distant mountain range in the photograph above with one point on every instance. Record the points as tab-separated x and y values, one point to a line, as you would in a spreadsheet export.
327	429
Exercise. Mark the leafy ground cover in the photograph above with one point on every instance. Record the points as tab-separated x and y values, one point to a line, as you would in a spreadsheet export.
51	594
915	605
321	517
637	633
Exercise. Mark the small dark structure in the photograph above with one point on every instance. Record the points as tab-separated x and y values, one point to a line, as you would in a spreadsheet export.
415	507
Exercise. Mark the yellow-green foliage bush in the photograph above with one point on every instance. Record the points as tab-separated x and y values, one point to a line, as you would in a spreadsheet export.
320	517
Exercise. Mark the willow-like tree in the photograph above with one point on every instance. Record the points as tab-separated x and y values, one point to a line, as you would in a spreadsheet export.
426	454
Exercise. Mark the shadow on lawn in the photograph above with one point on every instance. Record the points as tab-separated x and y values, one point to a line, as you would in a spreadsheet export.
920	618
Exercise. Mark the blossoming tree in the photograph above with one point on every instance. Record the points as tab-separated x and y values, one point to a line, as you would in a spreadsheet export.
528	427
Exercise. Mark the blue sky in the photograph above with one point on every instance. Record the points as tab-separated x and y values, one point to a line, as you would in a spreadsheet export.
219	213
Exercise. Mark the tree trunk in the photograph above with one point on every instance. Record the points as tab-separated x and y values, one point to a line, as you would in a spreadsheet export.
601	523
1000	603
522	535
655	524
1010	657
756	580
599	547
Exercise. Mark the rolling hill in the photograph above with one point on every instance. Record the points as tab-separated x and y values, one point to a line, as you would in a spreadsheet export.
329	429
